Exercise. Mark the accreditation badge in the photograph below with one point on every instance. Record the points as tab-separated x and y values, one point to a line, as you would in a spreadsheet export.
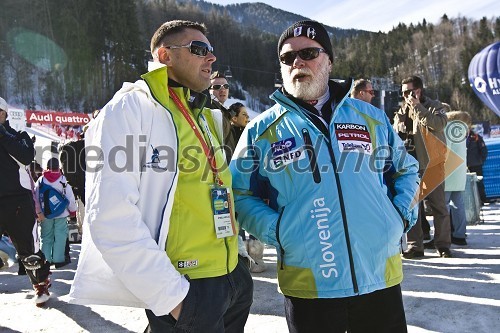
221	205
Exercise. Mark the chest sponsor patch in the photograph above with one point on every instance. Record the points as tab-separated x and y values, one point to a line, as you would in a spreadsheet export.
285	152
283	146
287	158
353	137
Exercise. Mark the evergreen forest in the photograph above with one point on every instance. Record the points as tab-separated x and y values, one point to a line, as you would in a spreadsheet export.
75	54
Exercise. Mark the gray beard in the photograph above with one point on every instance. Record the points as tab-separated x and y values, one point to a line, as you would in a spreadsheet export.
307	90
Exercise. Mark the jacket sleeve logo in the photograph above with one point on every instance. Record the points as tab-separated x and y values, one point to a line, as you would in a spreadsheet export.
155	162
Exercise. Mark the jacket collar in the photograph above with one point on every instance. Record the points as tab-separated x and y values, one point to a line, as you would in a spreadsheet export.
339	91
51	175
158	82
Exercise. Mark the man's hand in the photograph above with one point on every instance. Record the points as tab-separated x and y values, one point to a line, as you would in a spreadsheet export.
176	312
412	100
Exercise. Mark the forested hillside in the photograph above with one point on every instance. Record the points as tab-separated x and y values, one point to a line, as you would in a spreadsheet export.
73	55
263	17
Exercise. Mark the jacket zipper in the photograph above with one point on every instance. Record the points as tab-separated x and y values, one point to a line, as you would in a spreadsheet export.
342	207
344	218
312	156
282	251
341	200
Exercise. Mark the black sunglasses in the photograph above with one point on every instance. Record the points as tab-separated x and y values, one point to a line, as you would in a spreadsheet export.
196	47
408	92
219	86
308	53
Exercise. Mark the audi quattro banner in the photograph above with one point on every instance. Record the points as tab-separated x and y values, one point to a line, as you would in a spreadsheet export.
51	117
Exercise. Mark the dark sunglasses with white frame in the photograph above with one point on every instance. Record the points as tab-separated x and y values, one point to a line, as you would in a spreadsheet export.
196	47
219	86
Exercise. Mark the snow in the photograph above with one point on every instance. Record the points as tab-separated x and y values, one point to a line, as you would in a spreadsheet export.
455	295
251	113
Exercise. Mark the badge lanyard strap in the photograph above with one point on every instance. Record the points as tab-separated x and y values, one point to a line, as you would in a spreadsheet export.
210	155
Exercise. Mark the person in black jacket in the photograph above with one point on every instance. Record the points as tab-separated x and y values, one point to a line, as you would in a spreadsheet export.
17	212
239	119
219	93
477	152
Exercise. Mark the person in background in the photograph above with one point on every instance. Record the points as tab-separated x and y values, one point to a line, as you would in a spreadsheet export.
239	119
219	87
35	170
162	234
477	152
219	93
73	163
337	233
254	247
420	123
363	90
54	230
454	186
7	251
17	213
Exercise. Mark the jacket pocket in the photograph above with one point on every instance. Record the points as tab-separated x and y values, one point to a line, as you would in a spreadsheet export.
281	250
311	154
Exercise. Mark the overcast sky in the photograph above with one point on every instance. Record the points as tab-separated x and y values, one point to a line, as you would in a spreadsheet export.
375	15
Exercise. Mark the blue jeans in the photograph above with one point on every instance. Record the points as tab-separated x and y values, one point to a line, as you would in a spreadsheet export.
7	247
456	207
212	305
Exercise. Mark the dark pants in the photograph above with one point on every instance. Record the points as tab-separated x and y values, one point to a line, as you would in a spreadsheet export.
379	312
17	218
436	201
426	227
219	304
480	184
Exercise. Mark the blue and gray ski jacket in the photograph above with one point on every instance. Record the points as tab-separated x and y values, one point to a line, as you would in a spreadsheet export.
334	201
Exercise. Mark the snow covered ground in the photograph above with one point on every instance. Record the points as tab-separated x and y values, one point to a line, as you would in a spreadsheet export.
455	295
251	113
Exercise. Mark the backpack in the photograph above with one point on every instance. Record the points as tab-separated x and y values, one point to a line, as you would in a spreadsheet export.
72	157
52	201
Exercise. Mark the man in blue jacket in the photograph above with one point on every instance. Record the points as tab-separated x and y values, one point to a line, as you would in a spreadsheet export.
17	212
326	180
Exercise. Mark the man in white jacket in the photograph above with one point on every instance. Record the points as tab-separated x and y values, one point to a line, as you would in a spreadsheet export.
159	230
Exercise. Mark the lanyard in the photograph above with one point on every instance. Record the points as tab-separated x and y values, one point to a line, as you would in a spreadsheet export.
208	152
